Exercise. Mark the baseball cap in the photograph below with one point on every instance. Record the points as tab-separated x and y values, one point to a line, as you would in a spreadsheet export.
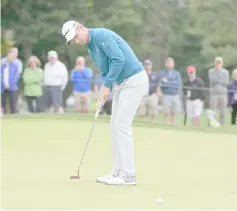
191	69
218	59
52	54
69	30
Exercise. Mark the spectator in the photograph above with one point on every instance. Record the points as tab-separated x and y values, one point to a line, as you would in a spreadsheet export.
194	93
81	80
232	97
15	60
9	82
170	83
55	81
218	80
33	78
97	85
149	103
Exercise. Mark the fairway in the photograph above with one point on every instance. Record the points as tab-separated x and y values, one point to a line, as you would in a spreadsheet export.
186	169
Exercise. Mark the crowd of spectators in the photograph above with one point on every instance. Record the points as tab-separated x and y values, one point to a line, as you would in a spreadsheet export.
44	86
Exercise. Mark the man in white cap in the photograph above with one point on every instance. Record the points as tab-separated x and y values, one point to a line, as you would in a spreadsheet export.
119	66
55	81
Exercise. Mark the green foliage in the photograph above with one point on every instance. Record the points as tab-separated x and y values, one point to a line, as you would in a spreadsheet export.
192	31
202	31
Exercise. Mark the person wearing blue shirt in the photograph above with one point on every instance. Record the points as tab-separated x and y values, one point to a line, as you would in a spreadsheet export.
170	84
97	83
10	76
121	70
15	60
81	80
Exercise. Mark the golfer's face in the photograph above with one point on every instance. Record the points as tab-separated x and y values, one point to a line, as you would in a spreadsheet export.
80	38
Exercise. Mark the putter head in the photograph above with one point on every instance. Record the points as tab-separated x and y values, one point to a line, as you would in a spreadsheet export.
74	177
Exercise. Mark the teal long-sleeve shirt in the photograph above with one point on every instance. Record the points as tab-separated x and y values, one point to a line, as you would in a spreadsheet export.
112	55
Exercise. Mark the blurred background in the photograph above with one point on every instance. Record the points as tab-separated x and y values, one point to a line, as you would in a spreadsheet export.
192	32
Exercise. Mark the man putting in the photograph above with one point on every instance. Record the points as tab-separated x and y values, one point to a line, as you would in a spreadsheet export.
119	67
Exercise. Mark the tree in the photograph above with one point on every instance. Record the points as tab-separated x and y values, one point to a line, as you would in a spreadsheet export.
203	30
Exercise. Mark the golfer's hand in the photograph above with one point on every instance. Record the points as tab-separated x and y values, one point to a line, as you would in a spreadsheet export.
99	104
104	94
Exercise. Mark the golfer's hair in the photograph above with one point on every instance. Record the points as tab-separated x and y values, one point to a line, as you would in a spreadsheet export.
234	74
33	58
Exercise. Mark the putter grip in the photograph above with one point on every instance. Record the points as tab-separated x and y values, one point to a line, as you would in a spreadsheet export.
97	113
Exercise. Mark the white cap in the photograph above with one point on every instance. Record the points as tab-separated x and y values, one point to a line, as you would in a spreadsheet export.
69	30
219	59
52	54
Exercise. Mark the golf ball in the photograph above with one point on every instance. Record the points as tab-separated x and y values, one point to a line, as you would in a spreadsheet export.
159	201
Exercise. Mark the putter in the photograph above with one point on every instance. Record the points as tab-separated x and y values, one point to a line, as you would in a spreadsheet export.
96	116
78	171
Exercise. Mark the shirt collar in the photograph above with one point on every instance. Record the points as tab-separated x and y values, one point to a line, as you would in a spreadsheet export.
88	44
169	70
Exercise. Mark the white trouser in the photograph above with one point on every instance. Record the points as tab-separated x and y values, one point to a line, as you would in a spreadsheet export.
126	99
194	108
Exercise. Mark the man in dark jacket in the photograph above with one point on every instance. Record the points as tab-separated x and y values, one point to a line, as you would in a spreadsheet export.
194	93
232	97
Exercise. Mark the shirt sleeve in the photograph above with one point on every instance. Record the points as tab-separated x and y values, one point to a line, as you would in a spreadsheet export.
89	73
3	60
224	81
109	46
202	90
211	77
179	81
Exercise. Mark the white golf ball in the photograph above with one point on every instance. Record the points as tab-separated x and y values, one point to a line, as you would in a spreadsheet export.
159	201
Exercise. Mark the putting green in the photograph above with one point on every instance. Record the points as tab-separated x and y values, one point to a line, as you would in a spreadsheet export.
187	170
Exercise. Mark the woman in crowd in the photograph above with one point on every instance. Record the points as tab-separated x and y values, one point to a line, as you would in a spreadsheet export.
232	97
33	77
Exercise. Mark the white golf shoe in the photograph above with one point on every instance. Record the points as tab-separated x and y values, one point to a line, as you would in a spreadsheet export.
107	177
126	180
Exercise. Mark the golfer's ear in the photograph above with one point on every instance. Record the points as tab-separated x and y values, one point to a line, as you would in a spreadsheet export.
77	28
80	27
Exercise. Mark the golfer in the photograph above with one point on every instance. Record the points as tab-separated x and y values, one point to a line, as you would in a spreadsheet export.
120	69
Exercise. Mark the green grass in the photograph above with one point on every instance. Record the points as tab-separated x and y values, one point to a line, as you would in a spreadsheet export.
187	170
